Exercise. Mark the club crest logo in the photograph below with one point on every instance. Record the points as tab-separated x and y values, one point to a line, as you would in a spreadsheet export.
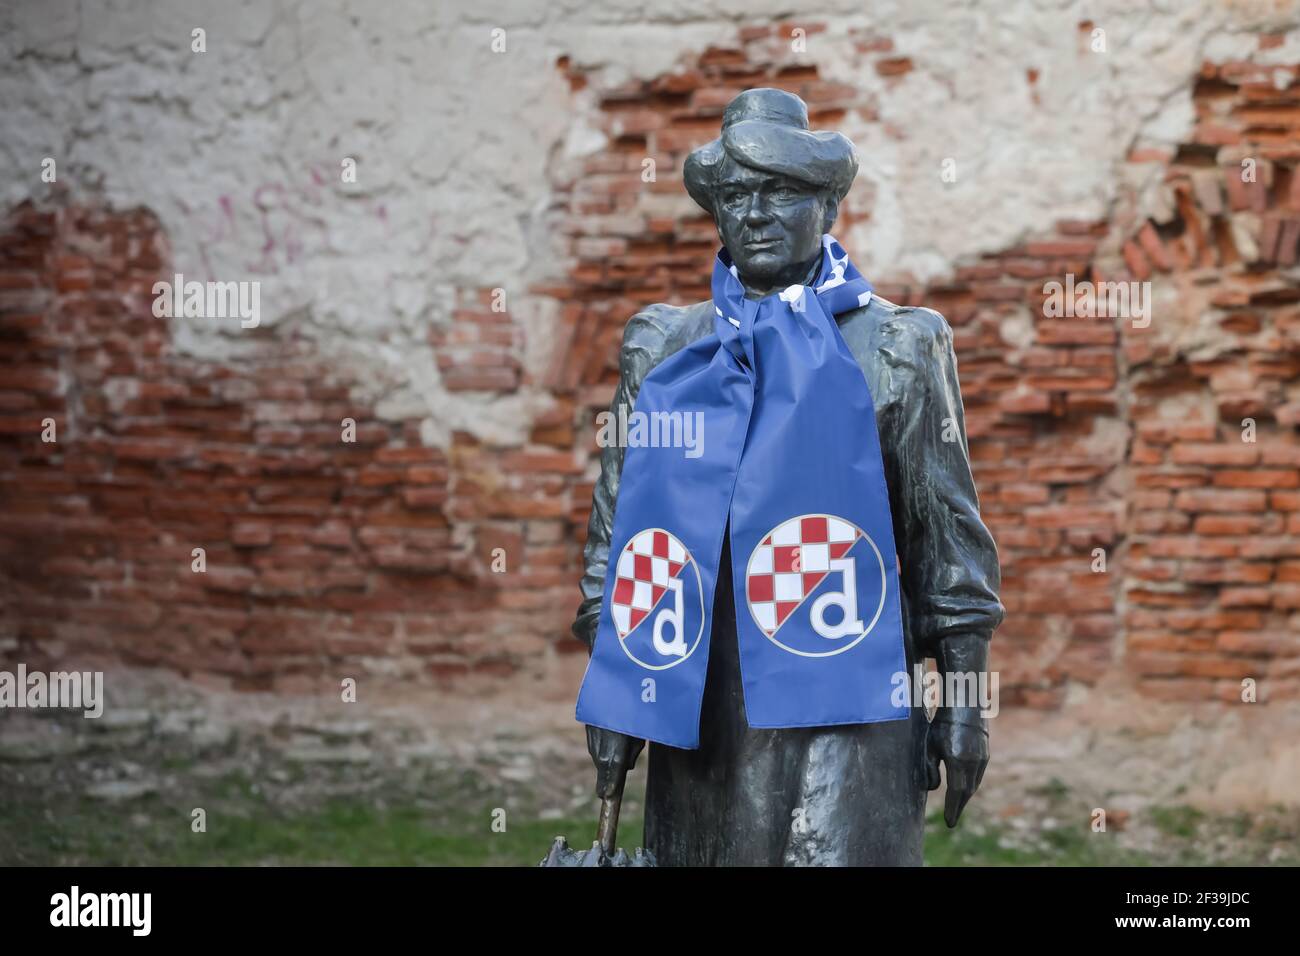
658	600
816	585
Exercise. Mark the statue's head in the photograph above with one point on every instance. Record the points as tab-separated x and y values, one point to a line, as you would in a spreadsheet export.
772	186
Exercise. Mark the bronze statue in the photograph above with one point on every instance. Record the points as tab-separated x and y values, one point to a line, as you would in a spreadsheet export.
828	795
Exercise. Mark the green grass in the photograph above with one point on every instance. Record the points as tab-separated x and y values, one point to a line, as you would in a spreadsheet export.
244	828
352	833
450	824
357	832
984	845
1180	821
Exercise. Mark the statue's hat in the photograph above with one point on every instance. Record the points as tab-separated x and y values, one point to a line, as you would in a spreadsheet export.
767	129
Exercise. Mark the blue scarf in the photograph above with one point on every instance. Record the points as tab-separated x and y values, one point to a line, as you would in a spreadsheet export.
791	457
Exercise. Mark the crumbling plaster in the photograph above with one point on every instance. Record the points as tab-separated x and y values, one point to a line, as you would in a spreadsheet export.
238	150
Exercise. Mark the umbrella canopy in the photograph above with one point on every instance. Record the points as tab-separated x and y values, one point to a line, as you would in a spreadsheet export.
602	852
561	854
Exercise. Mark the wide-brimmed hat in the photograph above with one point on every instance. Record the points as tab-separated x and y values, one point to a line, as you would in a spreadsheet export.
767	129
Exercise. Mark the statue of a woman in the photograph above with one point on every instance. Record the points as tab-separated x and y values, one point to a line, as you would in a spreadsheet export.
751	611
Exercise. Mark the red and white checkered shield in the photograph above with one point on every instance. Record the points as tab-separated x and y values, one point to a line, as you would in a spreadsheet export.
651	560
790	562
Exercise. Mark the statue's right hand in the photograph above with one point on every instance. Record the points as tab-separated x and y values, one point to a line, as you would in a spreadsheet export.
613	754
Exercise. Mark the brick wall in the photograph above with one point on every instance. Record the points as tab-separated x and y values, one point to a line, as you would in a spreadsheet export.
324	558
327	558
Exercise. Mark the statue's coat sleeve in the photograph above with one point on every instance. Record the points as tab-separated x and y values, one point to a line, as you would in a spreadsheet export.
644	344
948	559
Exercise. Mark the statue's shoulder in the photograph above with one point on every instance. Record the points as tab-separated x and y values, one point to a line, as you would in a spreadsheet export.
909	333
659	330
905	334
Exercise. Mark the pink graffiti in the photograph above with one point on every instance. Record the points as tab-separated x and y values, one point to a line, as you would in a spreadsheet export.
291	220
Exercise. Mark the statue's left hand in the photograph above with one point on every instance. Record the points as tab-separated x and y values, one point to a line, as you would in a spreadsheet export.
959	739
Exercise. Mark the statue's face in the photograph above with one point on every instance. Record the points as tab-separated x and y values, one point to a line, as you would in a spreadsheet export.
772	225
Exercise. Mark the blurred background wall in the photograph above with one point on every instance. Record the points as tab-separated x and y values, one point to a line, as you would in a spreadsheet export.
517	198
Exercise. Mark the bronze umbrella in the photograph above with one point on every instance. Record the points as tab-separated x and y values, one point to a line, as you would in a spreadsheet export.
602	852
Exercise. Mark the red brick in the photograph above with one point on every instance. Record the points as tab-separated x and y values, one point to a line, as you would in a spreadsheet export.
1245	597
894	66
1137	262
1154	248
1260	478
1220	499
1229	524
1196	453
251	534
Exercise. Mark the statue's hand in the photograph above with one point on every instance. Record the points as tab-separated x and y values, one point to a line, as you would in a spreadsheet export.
613	754
959	739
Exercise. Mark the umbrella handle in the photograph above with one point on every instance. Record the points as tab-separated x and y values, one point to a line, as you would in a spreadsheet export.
607	825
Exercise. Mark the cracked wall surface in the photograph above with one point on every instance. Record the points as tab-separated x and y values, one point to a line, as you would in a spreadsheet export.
238	150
